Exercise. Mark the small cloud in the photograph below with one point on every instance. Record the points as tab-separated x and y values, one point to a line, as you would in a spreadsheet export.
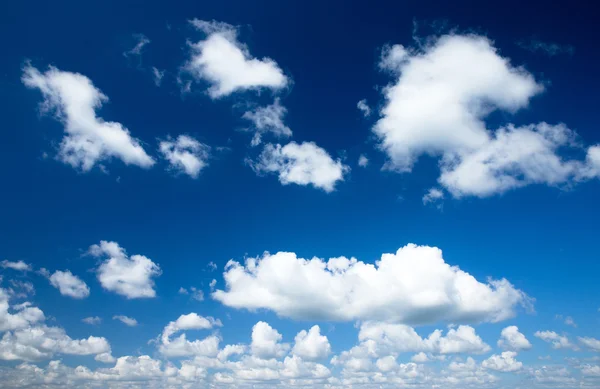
568	320
142	41
212	266
158	75
92	320
212	284
363	161
195	293
129	321
433	196
364	107
547	48
18	265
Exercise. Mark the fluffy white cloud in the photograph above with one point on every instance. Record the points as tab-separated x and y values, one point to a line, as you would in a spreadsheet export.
128	321
363	161
302	164
414	285
557	341
92	320
18	265
221	60
185	154
131	277
591	343
266	120
180	346
363	107
512	339
69	285
504	362
191	321
433	195
311	345
89	139
23	316
266	341
437	107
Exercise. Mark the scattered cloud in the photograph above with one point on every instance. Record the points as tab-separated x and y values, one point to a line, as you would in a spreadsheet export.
196	294
141	42
568	320
92	320
504	362
433	195
226	64
301	164
158	76
591	343
414	285
363	161
18	265
547	48
131	277
266	120
88	140
69	284
128	321
557	341
363	107
185	154
511	339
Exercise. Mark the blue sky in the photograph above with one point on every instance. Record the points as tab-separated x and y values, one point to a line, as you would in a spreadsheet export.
281	194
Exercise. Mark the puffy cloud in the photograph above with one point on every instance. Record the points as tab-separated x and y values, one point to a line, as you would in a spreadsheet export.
437	107
363	161
266	341
414	285
433	195
504	362
88	139
191	321
69	285
128	321
266	120
18	265
185	154
558	341
512	339
131	277
24	315
226	64
180	346
92	320
591	343
363	107
311	345
302	164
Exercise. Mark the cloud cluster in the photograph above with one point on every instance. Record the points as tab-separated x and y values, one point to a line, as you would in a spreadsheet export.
266	120
413	285
185	154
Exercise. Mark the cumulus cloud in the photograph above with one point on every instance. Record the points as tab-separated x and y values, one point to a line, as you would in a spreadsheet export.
557	341
227	65
301	164
18	265
504	362
23	315
414	285
591	343
512	339
185	154
88	140
311	345
266	341
69	284
437	106
131	277
363	161
128	321
363	107
267	120
92	320
180	346
433	195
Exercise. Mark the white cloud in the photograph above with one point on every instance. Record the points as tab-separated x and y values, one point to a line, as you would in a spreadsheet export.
363	107
141	42
69	285
591	343
105	358
92	320
18	265
131	277
311	345
226	64
266	341
180	346
437	106
266	120
363	161
558	341
158	76
512	339
414	285
433	195
504	362
590	370
302	164
89	140
568	320
191	321
196	294
420	357
128	321
24	315
185	154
